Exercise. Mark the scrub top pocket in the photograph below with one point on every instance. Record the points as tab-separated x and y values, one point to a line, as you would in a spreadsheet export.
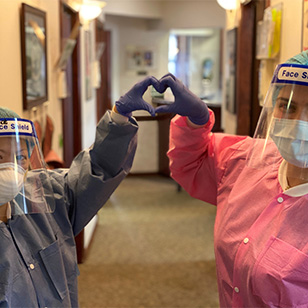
280	275
53	263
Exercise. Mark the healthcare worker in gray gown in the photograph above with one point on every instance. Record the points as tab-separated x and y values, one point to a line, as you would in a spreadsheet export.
41	211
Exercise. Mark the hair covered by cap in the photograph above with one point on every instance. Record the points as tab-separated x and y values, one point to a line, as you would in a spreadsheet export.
302	59
7	113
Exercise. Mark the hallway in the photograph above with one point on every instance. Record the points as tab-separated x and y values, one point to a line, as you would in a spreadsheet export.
153	247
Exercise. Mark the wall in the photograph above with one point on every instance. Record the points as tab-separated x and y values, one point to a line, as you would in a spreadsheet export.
191	14
161	16
130	32
10	75
291	38
133	8
132	24
152	32
158	17
203	48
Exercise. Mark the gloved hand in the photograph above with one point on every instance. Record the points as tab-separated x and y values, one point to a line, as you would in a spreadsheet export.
133	100
186	103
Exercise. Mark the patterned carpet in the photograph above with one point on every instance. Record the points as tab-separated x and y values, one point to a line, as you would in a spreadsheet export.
153	247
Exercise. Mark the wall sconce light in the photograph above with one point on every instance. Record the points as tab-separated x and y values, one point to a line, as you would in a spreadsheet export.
227	4
90	9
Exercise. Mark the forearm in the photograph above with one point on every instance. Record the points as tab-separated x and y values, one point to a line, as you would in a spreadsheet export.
114	146
191	159
95	173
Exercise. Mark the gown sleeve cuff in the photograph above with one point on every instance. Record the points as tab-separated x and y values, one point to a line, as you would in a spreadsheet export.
118	118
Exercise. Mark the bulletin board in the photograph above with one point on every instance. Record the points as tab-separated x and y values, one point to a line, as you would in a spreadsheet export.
269	33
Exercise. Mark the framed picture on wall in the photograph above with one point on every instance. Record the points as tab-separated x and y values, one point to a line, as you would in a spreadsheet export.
33	56
139	58
231	71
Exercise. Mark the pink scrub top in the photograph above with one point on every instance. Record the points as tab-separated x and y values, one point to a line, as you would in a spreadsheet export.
261	232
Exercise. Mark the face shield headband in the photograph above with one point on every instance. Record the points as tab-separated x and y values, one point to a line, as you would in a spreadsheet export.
281	134
24	181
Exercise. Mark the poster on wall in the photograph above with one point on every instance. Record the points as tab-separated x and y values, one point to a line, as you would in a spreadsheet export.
305	26
139	58
66	53
269	33
230	69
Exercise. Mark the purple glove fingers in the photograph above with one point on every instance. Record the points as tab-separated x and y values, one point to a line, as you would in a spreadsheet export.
147	107
133	100
186	103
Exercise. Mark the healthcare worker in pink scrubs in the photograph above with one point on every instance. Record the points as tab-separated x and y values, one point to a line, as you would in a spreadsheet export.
260	187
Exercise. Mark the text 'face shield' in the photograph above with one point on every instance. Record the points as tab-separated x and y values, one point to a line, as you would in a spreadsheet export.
24	180
282	129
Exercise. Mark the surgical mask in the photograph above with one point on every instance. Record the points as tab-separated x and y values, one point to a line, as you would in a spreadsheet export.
291	139
11	181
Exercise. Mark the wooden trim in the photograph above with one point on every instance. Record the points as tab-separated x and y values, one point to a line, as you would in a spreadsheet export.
82	252
256	108
157	117
79	240
267	3
72	141
77	93
141	174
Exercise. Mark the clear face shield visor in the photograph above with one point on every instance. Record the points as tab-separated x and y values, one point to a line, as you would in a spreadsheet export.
24	180
281	134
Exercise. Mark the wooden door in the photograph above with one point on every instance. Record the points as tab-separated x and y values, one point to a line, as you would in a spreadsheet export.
71	105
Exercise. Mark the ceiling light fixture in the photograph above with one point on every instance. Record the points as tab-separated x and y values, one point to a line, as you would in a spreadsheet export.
90	10
227	4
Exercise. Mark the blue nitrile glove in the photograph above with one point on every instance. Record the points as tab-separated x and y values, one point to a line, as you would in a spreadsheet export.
186	103
133	100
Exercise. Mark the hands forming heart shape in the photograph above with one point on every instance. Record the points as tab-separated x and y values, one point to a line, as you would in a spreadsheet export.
185	102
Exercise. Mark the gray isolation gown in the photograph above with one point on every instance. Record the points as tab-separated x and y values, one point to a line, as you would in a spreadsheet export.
38	264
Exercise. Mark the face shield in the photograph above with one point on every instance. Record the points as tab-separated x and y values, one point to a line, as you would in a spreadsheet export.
24	180
282	131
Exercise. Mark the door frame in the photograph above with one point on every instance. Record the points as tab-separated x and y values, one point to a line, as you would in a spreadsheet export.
75	125
103	93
